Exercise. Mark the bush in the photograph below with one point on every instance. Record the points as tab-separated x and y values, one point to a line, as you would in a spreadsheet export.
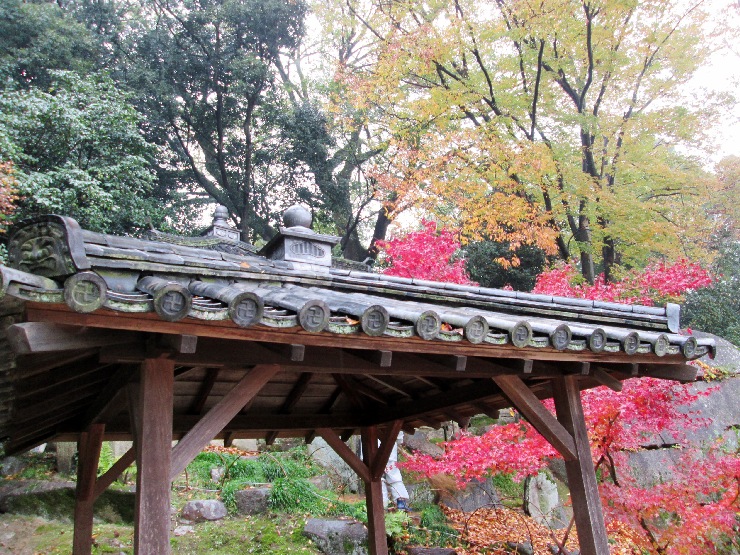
480	262
716	309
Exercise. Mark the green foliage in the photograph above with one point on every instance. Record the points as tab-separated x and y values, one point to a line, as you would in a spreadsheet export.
483	261
433	529
77	151
229	490
716	309
511	491
203	73
296	495
258	535
107	459
37	38
396	523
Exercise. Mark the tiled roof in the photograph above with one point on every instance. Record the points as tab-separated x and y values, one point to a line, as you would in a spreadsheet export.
90	270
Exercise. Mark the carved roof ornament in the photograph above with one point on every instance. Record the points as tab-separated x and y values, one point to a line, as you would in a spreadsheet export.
221	236
298	243
220	227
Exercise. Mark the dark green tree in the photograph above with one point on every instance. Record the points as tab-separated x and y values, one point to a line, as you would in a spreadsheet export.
39	37
716	309
77	151
203	77
483	261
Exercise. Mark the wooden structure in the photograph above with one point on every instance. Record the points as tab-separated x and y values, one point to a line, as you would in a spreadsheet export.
181	339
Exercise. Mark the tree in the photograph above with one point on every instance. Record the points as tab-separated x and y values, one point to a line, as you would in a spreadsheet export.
77	151
332	130
8	196
716	307
690	511
494	264
562	124
37	38
659	283
427	254
203	76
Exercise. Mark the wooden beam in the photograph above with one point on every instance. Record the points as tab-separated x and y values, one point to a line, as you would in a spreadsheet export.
104	481
393	384
374	501
299	388
384	359
537	415
292	352
351	394
111	399
607	379
458	363
345	453
580	471
180	343
366	390
43	363
220	415
680	372
206	386
152	517
227	330
88	449
42	337
384	451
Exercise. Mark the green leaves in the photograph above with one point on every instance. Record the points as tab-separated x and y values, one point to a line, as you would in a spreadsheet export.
77	151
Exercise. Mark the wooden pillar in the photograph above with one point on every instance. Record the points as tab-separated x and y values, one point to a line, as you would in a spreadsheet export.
581	476
377	543
88	449
153	440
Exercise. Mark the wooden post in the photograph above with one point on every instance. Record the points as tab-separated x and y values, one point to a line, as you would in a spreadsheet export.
154	448
581	476
378	545
88	449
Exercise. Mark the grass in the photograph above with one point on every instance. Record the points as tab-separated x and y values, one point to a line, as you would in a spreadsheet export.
42	523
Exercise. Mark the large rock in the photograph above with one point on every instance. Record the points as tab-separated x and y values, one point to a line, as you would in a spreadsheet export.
476	494
419	442
543	502
338	471
11	465
716	408
252	501
203	509
338	537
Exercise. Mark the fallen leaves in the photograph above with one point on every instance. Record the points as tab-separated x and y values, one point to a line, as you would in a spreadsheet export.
488	530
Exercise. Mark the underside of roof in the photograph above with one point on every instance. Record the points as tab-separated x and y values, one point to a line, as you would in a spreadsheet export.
82	310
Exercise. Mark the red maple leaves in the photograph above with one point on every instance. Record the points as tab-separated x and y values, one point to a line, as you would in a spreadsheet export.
426	254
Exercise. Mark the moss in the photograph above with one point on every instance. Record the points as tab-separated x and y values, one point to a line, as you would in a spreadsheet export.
112	506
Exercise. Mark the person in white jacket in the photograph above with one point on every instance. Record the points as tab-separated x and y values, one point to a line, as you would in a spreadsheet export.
393	480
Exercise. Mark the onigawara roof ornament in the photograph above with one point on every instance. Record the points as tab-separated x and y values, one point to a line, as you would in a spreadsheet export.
298	243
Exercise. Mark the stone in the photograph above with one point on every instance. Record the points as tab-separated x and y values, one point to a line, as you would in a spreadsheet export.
203	509
322	482
217	473
419	442
543	502
337	536
340	473
475	495
183	530
11	465
520	548
252	501
430	551
245	444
